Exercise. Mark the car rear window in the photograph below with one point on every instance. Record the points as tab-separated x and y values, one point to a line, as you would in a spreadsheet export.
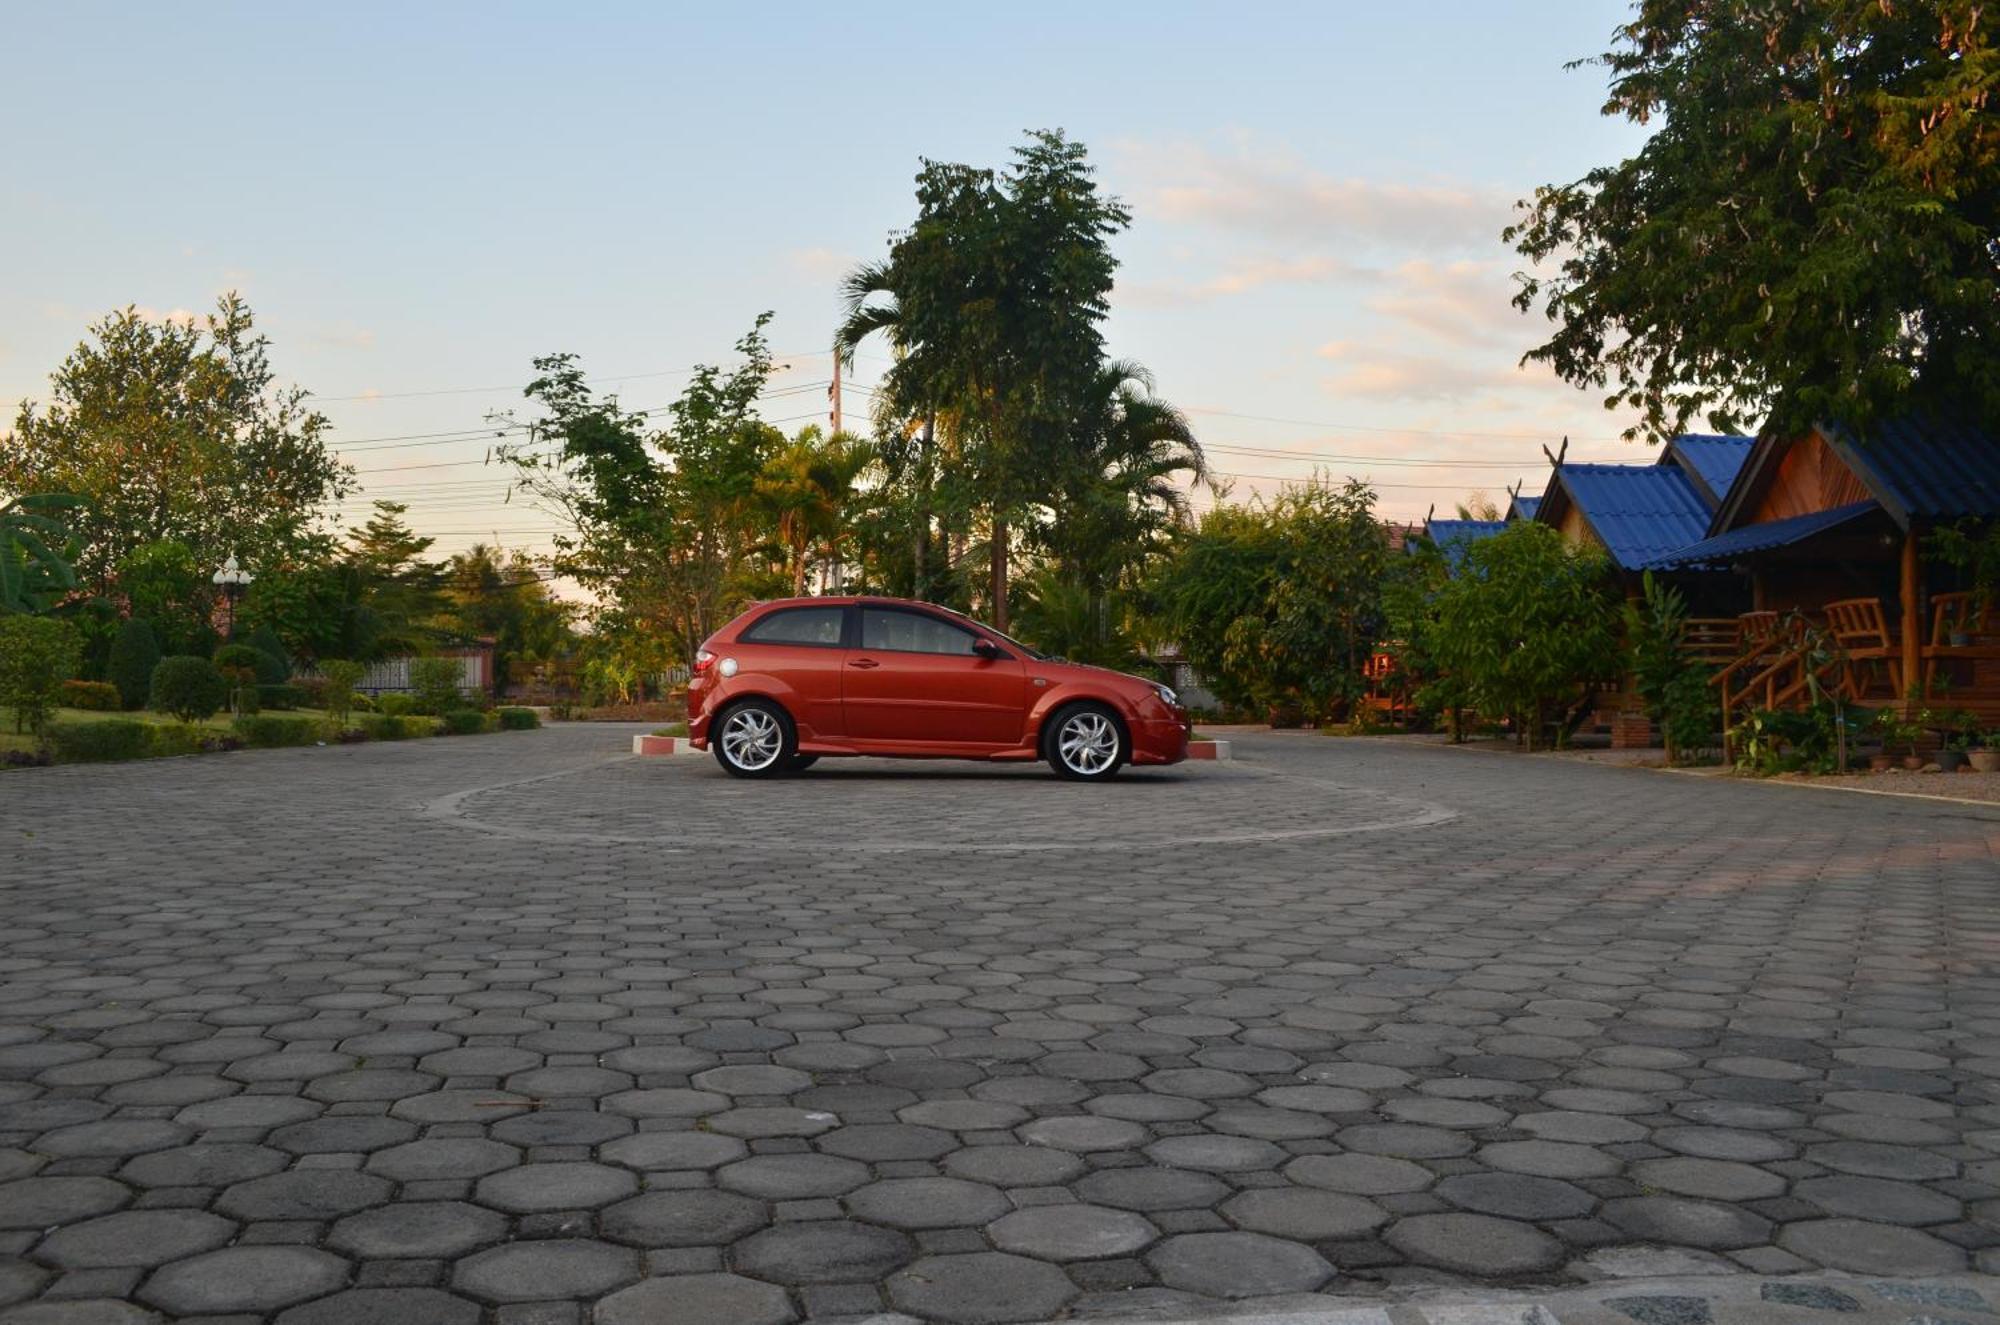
911	632
797	625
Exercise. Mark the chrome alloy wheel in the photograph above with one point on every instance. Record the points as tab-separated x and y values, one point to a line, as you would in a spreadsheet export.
1087	743
751	739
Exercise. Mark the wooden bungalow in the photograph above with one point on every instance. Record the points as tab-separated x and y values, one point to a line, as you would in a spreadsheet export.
1828	528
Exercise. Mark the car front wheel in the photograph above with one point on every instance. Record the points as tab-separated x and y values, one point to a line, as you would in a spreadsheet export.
1087	743
754	739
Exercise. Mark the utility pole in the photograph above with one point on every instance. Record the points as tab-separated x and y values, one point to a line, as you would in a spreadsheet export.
835	393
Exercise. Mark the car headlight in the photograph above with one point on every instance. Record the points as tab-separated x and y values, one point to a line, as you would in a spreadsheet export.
1167	695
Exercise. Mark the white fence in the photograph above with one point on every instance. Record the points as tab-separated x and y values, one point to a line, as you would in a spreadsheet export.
392	675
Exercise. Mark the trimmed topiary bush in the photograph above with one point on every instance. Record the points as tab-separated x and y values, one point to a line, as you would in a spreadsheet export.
393	727
271	730
464	722
91	696
518	719
94	742
274	665
134	654
192	689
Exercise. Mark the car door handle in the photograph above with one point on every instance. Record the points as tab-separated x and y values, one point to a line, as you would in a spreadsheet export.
864	662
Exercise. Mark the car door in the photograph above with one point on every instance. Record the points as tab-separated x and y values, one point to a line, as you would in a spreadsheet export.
801	649
914	678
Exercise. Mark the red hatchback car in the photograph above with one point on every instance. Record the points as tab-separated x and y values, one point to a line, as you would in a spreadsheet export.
792	680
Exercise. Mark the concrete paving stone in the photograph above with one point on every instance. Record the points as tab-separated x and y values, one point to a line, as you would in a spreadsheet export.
1711	1179
981	1288
1879	1199
385	1306
134	1237
1014	1166
1082	1134
1475	1244
555	1186
914	1203
682	1219
666	1102
1304	1214
553	1269
834	1251
964	1115
1663	1309
877	1143
1237	1265
1883	1161
1724	1143
20	1279
561	1127
1215	1154
1591	1129
697	1299
1549	1159
673	1150
1517	1196
1149	1190
248	1111
753	1079
43	1202
772	1121
794	1176
204	1164
111	1136
443	1229
1812	1297
1678	1221
442	1157
252	1279
1405	1140
1143	1108
1360	1175
1863	1247
303	1194
1072	1232
342	1135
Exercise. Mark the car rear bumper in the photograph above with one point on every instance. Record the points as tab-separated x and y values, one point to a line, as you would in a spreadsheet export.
1160	740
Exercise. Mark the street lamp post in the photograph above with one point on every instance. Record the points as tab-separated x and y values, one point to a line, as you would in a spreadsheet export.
232	579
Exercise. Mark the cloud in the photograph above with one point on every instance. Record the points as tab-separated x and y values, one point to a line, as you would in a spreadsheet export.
1244	275
821	264
1371	372
1263	191
344	336
154	315
1461	303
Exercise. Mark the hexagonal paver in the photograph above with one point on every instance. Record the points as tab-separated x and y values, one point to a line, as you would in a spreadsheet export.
438	1229
793	1177
385	1306
1072	1232
927	1203
1303	1214
878	1143
1517	1196
697	1299
1238	1265
39	1203
1147	1190
546	1271
303	1194
135	1237
827	1251
112	1136
673	1150
569	1185
1215	1154
243	1279
682	1219
1360	1175
753	1079
443	1157
1014	1166
1681	1222
1083	1134
1868	1248
981	1288
1476	1244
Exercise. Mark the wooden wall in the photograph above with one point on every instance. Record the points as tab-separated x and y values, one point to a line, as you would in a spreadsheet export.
1811	477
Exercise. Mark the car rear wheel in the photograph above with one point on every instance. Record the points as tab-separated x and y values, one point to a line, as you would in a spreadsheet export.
754	739
800	763
1087	743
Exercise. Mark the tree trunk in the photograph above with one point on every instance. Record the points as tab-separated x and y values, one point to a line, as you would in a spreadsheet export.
997	586
799	573
921	546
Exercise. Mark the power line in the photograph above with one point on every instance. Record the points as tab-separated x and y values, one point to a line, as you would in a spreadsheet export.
493	390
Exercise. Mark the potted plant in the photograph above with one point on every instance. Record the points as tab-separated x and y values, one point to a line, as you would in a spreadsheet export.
1896	730
1984	754
1956	729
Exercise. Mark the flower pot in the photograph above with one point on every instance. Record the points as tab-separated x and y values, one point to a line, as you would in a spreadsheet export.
1984	761
1948	761
1915	763
1881	763
1958	639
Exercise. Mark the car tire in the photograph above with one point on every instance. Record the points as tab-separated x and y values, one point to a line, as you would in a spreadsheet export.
800	763
1087	743
754	739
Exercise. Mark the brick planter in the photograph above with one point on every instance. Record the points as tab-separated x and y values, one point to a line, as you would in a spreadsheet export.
1631	731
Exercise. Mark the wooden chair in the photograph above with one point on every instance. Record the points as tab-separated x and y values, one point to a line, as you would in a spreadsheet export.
1862	628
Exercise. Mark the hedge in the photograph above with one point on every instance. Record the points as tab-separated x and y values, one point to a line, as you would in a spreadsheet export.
189	688
464	722
92	742
92	696
518	719
394	727
134	655
269	730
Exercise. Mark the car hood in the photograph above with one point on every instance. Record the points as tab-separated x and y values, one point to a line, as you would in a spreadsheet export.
1064	670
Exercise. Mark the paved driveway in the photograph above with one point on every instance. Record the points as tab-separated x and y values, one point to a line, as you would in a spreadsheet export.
491	1029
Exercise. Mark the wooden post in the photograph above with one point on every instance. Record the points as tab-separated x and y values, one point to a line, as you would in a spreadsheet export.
1912	591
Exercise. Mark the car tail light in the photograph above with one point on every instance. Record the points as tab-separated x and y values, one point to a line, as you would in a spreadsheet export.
703	660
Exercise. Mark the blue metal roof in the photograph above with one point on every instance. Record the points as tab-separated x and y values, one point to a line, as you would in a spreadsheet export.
1927	468
1715	459
1452	537
1523	508
1724	548
1641	512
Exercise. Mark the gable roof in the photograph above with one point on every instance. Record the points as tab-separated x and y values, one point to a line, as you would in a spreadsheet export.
1723	548
1919	468
1522	508
1452	537
1639	512
1712	460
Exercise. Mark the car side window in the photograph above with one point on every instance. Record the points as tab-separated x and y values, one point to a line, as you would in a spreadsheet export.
912	632
798	625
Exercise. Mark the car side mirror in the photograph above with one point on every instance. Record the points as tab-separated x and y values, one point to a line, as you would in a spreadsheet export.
986	648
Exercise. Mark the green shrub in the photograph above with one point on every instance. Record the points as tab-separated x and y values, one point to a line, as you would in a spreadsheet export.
283	697
267	731
192	689
92	696
395	706
166	738
274	666
518	719
435	681
562	711
37	654
93	742
134	655
336	694
464	722
395	727
240	663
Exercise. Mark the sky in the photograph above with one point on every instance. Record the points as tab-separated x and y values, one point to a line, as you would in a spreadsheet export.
417	200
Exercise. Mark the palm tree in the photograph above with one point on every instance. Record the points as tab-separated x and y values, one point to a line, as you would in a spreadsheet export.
806	488
37	555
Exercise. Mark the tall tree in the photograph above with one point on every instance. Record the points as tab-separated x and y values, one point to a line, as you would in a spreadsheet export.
1807	233
806	491
492	594
171	431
